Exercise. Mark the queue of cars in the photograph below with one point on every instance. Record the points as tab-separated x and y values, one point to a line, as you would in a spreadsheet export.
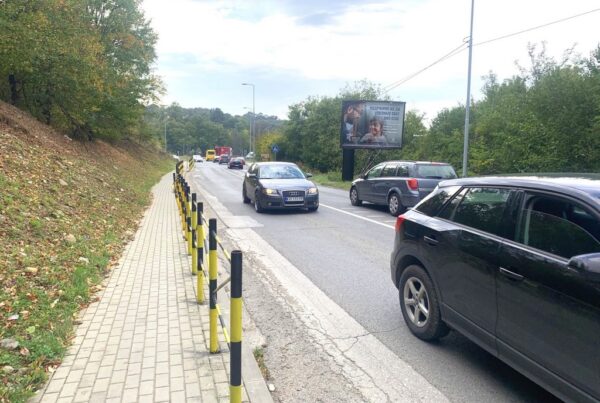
511	262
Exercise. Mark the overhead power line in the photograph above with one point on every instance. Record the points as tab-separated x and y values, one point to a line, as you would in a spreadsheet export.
464	46
537	27
454	51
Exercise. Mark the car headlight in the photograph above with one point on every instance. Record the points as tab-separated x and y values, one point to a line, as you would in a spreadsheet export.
312	191
268	191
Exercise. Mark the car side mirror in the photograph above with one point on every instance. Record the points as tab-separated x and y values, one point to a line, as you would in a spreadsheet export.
308	175
587	265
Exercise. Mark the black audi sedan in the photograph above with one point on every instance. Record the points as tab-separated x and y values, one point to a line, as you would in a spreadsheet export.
513	263
236	162
279	185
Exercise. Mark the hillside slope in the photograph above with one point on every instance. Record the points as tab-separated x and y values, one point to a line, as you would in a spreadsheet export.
66	210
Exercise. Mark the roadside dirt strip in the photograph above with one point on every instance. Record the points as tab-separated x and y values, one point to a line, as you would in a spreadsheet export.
314	350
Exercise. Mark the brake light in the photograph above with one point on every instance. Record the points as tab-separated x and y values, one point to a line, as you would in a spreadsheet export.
399	222
413	184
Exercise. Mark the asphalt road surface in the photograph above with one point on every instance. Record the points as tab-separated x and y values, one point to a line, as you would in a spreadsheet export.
344	251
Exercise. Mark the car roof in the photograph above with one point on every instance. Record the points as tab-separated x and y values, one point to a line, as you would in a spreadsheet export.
562	183
416	162
275	163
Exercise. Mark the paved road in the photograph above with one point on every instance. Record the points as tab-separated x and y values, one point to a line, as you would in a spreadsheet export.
344	251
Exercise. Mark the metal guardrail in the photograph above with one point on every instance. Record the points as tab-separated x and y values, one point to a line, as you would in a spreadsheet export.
199	233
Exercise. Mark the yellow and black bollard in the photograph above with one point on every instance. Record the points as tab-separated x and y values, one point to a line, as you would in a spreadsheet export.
212	284
183	207
189	220
200	253
194	236
235	364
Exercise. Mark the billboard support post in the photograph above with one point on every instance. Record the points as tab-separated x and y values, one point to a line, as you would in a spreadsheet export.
347	164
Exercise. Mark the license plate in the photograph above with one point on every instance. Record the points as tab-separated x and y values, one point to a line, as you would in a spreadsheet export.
293	199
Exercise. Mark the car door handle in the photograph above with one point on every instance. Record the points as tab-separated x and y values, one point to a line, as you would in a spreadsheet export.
511	275
431	241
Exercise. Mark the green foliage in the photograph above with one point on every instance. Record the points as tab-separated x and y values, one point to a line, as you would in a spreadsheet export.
81	65
546	119
190	131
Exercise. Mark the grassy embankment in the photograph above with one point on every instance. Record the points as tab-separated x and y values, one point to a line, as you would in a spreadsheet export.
66	212
331	179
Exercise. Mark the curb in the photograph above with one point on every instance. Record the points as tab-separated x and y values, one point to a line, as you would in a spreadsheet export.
254	383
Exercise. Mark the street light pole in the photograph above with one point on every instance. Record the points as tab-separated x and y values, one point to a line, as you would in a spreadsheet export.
252	129
468	105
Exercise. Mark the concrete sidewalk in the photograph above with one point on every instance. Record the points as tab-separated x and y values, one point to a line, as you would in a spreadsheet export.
146	339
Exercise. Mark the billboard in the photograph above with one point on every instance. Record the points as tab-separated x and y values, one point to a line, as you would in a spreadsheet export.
372	124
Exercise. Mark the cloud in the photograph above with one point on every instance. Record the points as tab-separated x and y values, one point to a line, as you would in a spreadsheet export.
314	42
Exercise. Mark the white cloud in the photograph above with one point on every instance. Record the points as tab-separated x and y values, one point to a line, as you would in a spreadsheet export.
384	41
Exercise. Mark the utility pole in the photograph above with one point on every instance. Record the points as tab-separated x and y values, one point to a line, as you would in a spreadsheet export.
252	128
468	104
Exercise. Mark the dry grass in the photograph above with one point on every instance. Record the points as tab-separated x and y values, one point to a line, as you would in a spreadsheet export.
66	211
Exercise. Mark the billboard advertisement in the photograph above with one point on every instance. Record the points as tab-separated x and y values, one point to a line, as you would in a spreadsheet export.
372	124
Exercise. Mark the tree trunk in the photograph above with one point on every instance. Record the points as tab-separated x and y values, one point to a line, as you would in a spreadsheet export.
14	94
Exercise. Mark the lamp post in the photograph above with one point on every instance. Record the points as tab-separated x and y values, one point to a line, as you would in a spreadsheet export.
468	103
167	118
252	133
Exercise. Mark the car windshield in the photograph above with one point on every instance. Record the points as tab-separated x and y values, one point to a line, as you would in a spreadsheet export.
436	171
280	172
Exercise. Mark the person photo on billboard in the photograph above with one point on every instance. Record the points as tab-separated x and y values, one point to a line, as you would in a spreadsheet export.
375	133
351	118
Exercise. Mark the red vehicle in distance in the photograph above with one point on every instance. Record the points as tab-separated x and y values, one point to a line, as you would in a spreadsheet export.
223	150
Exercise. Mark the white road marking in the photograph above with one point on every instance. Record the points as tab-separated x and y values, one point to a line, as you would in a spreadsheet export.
364	361
356	216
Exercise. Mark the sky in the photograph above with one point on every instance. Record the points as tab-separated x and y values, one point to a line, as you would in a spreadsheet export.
294	49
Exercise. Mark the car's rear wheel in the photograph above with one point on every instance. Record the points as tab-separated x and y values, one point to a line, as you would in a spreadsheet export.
419	304
395	206
354	200
245	197
257	206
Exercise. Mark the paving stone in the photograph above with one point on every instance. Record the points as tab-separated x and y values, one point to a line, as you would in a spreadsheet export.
146	339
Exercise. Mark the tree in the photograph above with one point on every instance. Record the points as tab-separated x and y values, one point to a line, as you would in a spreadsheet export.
80	65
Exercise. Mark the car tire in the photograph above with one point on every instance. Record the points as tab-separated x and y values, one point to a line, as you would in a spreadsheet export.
354	200
395	206
419	304
257	206
245	197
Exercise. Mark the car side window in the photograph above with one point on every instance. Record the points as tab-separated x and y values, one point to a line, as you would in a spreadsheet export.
402	171
481	208
389	170
436	199
558	226
375	172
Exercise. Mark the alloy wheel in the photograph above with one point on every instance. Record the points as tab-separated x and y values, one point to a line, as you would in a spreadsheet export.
354	200
394	204
416	301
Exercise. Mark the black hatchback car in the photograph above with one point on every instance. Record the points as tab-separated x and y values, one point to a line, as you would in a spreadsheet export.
513	263
279	185
399	184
